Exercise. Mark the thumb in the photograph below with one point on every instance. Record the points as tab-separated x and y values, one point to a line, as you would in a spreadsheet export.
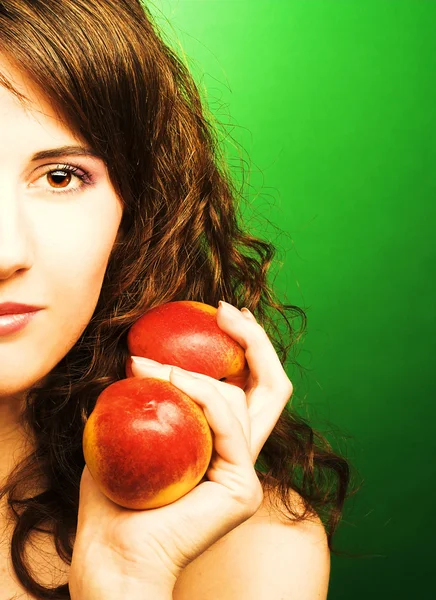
91	500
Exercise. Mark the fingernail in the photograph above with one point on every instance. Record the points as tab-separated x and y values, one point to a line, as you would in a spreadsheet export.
228	307
140	360
248	314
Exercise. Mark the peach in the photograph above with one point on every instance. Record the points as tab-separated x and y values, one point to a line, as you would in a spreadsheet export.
146	443
185	334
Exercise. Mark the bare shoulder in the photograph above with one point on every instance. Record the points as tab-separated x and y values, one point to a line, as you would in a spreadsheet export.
268	557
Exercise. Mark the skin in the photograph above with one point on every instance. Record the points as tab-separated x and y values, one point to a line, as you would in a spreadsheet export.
53	253
54	248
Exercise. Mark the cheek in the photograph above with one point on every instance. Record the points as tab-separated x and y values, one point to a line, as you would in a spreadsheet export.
80	264
74	246
77	268
71	252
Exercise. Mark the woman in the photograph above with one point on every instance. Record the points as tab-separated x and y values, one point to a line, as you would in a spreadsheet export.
93	104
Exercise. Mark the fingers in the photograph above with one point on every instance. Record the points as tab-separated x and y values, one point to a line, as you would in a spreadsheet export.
230	486
265	367
232	395
92	500
269	387
229	439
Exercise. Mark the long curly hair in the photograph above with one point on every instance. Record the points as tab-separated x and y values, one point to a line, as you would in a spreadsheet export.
106	70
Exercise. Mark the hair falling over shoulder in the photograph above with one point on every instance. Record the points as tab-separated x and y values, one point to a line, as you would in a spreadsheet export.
105	69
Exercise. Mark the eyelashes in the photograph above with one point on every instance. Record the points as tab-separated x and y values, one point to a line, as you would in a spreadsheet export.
62	171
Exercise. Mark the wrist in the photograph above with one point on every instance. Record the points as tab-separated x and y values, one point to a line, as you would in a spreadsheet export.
110	587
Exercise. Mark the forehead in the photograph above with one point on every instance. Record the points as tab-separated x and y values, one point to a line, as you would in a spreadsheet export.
12	76
23	120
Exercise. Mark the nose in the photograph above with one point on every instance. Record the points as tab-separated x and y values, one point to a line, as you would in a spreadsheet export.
15	251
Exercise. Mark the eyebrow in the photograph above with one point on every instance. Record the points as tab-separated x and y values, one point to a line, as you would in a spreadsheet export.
64	151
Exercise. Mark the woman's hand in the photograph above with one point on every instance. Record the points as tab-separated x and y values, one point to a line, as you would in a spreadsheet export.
148	549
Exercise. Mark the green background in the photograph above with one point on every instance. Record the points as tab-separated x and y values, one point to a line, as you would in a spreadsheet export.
333	103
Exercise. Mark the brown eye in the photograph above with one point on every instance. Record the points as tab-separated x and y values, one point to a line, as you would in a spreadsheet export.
60	179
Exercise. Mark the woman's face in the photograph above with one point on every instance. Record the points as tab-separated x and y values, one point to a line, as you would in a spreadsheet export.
56	236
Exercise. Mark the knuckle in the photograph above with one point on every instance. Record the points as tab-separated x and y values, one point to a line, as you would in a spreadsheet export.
254	495
238	395
249	495
233	393
287	388
282	389
256	336
173	368
257	495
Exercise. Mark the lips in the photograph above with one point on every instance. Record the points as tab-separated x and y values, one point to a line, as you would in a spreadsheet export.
13	323
15	308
